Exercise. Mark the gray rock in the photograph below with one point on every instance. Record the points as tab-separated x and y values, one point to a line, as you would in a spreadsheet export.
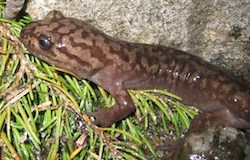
12	8
216	143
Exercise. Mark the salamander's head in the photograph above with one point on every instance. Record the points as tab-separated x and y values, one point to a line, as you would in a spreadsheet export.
42	38
65	42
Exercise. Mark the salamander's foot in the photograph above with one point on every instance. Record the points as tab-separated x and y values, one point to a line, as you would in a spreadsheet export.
102	117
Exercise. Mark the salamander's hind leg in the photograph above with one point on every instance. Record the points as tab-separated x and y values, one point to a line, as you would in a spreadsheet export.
220	117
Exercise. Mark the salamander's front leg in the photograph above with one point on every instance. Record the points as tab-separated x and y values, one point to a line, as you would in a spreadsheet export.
124	107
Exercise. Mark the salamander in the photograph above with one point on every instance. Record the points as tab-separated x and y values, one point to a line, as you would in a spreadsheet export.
118	65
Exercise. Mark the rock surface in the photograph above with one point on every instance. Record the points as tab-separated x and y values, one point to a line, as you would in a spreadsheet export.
216	143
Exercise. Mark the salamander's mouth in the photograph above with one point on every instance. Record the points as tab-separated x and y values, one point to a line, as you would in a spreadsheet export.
25	41
24	38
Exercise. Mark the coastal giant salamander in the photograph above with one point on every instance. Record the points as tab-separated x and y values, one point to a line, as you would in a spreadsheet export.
118	65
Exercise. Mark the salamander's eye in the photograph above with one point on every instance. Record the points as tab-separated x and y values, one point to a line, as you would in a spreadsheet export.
44	42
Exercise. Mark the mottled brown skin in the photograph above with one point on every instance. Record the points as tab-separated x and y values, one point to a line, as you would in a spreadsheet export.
117	65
